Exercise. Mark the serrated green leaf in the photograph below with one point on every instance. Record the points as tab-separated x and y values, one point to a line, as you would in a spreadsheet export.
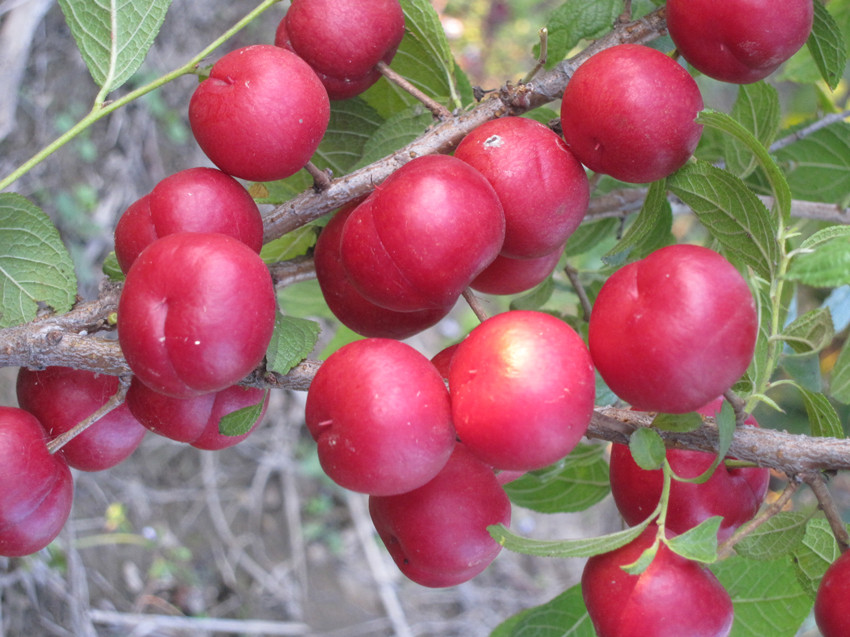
563	616
766	596
826	45
576	20
827	266
293	244
824	236
574	484
779	536
589	235
732	213
823	419
584	547
352	124
811	332
813	556
35	267
839	382
239	422
114	37
650	230
698	543
535	298
818	166
293	339
757	110
778	183
398	130
647	448
678	422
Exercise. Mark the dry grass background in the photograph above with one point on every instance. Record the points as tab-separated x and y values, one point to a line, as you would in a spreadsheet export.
248	541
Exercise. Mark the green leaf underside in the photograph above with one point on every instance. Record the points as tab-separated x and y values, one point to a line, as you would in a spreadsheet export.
698	543
839	384
576	20
651	229
826	46
397	131
757	110
576	483
239	422
732	213
114	36
293	340
826	266
648	449
811	332
352	124
818	166
291	245
779	536
35	266
814	555
562	616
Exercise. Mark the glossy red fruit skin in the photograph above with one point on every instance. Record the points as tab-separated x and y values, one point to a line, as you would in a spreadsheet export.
736	494
351	308
437	534
36	488
629	112
196	313
673	597
543	188
673	331
423	235
738	41
512	276
193	420
343	40
831	614
192	200
380	415
522	389
62	397
261	113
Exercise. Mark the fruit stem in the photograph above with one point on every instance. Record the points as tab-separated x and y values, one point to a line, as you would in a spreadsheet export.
830	510
438	110
115	401
102	107
475	304
321	178
584	300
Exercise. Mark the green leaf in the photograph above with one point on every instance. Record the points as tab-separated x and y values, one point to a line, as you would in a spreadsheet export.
839	382
293	244
826	45
585	547
588	236
650	230
678	422
293	339
698	543
397	131
779	536
766	596
576	20
535	298
644	559
818	166
239	422
778	184
813	556
111	268
804	369
35	267
811	332
352	124
732	213
647	448
726	426
823	419
563	616
574	484
114	37
757	110
827	266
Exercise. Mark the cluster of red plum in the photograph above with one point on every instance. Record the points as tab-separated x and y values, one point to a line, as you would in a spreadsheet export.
433	441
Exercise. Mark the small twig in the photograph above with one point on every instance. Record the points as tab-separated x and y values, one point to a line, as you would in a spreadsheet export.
293	271
115	401
829	508
543	33
727	548
584	300
738	404
475	304
321	178
796	136
439	111
626	15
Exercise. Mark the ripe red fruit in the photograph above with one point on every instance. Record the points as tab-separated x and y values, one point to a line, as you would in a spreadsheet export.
193	420
61	397
740	41
673	597
543	188
343	40
736	494
831	614
192	200
423	235
36	489
511	276
348	305
673	331
522	389
261	113
380	415
196	313
437	534
629	112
